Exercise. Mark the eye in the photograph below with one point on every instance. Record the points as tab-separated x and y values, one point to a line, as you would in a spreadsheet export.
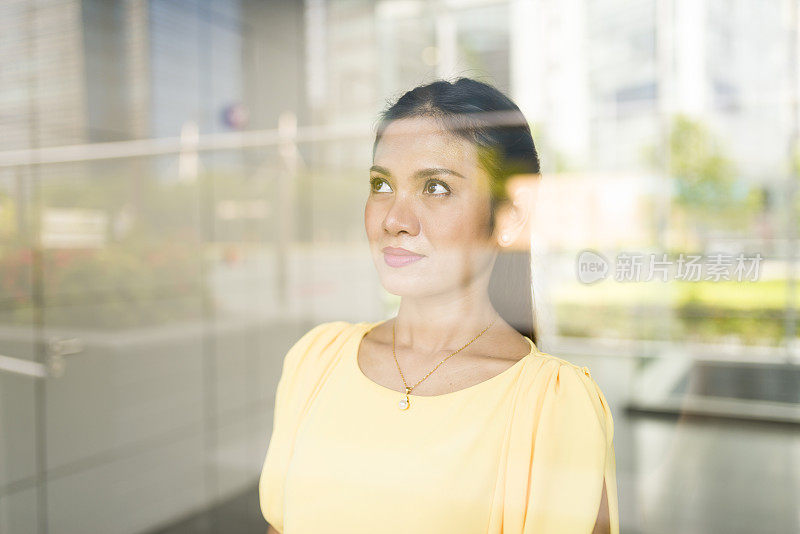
375	182
440	184
430	187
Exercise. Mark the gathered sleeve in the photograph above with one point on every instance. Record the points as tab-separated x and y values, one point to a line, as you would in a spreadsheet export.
560	454
304	368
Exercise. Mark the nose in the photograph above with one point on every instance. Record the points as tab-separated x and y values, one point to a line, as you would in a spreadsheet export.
400	217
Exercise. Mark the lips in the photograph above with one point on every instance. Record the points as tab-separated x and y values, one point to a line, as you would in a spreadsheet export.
397	251
399	257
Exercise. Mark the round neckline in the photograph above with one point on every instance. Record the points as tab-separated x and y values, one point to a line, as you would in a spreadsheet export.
366	327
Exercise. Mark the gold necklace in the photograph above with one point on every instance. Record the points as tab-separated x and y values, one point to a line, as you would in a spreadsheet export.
405	402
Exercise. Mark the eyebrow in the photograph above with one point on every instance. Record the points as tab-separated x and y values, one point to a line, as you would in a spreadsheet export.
422	173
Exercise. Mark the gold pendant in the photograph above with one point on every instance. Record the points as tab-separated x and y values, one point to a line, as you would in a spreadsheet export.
404	403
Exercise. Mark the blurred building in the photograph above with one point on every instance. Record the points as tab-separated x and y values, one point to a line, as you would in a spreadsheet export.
599	80
81	71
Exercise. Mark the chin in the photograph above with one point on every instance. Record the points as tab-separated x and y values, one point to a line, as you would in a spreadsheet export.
404	285
402	291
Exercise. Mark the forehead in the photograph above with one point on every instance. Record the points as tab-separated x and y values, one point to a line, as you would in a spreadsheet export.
422	142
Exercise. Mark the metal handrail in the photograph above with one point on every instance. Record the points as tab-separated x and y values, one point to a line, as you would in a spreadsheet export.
287	132
23	367
176	145
57	348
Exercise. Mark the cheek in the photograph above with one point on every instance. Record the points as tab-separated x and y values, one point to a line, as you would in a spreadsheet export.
448	232
457	228
371	221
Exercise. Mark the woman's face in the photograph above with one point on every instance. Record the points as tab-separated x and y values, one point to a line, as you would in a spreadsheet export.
428	195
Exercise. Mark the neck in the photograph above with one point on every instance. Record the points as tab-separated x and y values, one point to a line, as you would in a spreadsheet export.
443	322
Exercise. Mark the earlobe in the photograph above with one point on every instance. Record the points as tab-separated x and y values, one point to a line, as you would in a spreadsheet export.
515	224
507	237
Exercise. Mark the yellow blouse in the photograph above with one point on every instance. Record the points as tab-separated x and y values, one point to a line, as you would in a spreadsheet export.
525	451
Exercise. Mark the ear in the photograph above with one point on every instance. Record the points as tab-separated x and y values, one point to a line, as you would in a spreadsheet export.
515	214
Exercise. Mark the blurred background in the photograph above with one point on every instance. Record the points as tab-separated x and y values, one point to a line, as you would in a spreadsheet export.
181	197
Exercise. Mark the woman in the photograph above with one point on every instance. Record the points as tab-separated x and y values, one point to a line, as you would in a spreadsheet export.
445	418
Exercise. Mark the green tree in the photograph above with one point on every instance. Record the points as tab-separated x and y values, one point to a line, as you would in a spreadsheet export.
705	188
703	175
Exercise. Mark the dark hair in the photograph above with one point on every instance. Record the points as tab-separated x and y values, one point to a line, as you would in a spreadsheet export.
486	117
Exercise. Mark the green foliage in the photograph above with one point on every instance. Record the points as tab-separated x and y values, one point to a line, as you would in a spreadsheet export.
125	284
703	176
692	322
752	312
148	274
706	191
